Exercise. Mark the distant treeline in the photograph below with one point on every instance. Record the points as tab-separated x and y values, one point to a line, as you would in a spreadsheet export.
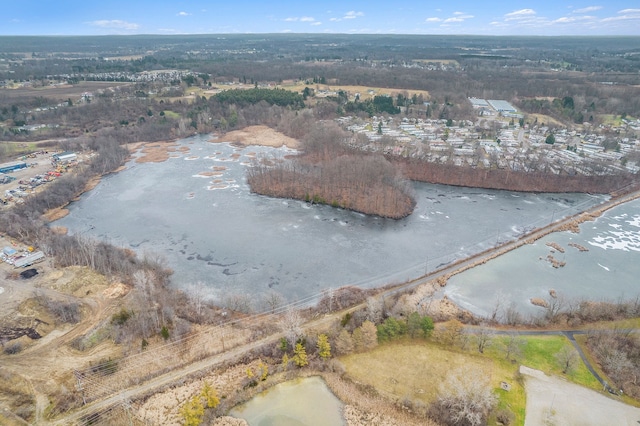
243	97
329	173
506	179
377	105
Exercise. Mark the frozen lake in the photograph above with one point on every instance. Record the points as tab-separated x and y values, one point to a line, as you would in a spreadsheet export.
608	271
197	211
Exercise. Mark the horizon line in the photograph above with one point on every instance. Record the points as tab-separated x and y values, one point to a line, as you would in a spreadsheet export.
326	34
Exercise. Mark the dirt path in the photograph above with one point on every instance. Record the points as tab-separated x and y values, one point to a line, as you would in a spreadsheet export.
163	380
553	401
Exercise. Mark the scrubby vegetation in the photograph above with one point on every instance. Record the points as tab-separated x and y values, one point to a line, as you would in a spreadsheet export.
505	179
618	353
330	173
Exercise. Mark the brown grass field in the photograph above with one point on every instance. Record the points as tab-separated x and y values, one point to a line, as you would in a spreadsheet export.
60	92
412	369
352	90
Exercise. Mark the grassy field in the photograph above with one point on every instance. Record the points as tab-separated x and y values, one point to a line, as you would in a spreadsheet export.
364	91
530	118
413	369
612	120
539	352
172	115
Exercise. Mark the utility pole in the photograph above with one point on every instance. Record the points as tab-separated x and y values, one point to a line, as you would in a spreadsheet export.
79	385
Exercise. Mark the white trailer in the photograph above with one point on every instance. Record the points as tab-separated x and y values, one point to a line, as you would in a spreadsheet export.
29	259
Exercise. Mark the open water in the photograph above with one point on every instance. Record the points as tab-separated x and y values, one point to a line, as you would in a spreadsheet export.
300	402
211	230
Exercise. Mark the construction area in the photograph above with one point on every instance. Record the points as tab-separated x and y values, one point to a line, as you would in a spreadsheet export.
23	176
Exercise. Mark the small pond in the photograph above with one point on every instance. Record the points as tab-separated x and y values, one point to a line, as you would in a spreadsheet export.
300	402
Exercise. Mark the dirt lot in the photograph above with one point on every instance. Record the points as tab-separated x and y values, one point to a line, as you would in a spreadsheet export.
553	401
258	135
44	364
37	165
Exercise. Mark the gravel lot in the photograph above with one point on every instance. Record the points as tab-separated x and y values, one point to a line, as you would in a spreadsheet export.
554	401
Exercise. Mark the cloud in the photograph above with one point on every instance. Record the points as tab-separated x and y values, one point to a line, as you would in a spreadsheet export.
587	9
352	15
300	19
520	14
625	15
349	15
183	14
457	17
572	19
114	23
316	23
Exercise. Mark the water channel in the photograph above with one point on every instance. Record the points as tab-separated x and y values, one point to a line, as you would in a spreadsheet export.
196	210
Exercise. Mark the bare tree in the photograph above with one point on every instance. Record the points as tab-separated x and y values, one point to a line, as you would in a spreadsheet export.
513	346
375	309
291	326
239	303
618	365
568	359
465	398
483	338
369	335
501	301
344	343
555	306
197	295
273	300
451	333
512	316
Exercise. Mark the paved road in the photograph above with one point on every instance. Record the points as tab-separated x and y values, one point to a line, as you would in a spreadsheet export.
571	337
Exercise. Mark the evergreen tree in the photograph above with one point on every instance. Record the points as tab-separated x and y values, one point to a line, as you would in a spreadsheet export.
210	396
192	411
300	355
324	347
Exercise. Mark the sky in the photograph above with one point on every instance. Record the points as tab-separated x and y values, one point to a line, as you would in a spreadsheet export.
515	17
